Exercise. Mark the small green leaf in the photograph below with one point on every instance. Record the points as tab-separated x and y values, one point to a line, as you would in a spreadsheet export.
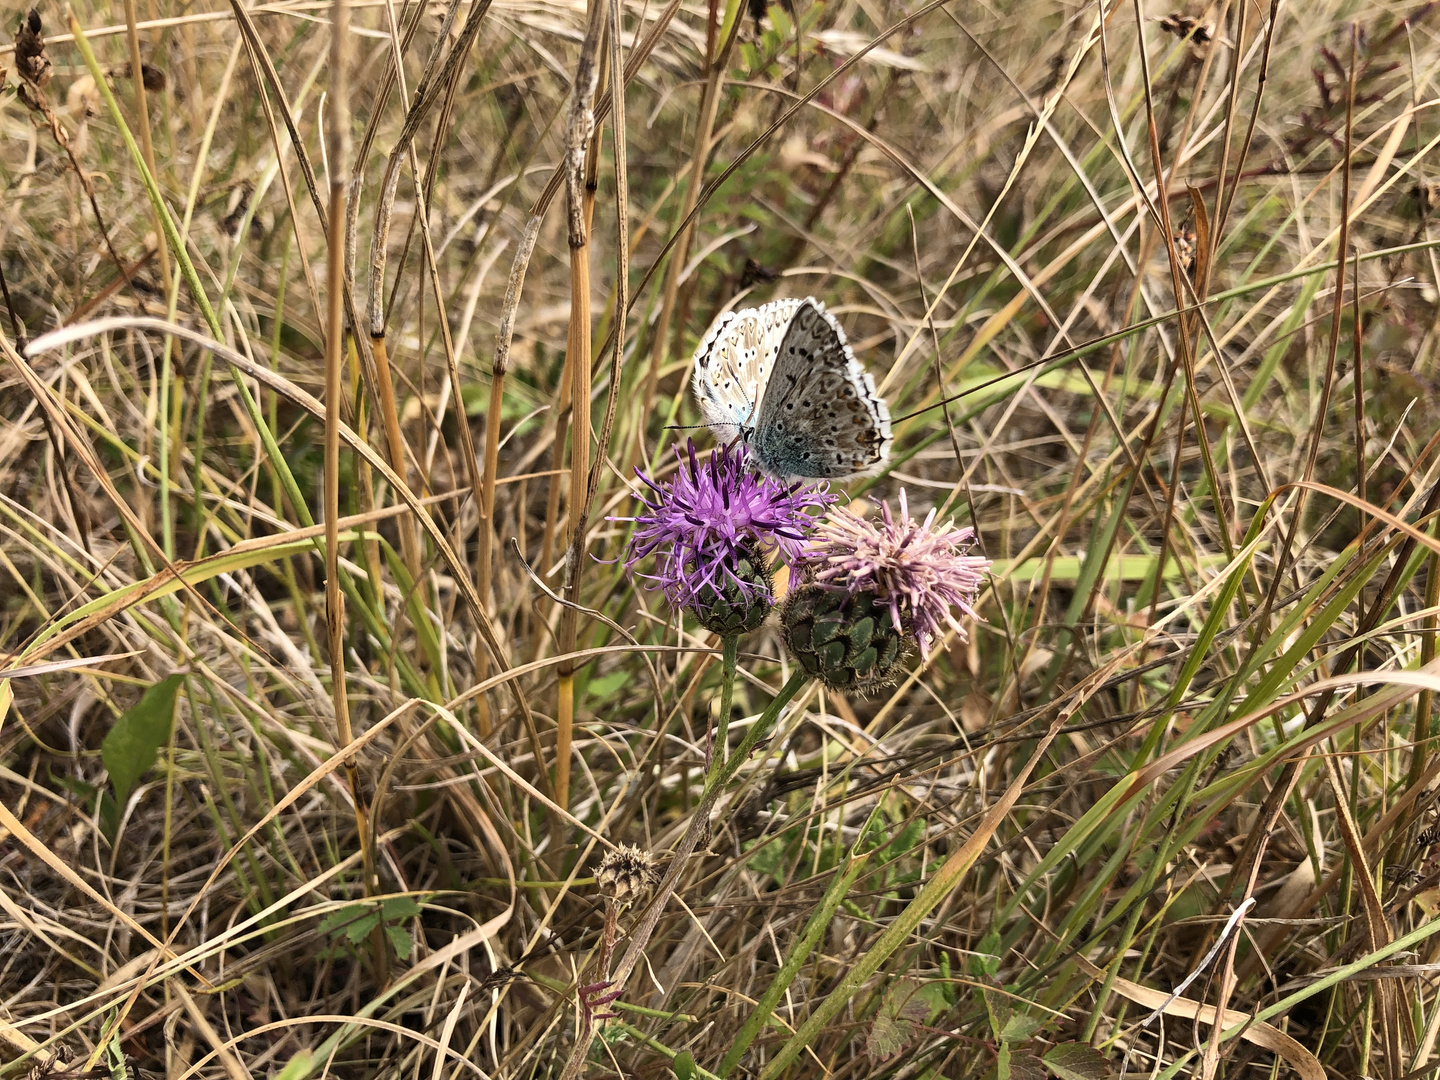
136	738
1077	1061
340	918
1026	1067
998	1010
907	1003
607	686
400	941
988	960
767	858
684	1066
1019	1027
358	930
399	907
888	1037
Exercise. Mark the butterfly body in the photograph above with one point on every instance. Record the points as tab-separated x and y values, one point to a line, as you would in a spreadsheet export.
783	378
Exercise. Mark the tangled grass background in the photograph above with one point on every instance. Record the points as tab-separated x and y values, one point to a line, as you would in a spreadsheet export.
336	736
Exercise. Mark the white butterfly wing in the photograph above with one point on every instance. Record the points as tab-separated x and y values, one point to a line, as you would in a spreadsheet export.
734	362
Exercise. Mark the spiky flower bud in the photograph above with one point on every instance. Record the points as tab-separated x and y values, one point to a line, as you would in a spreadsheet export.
625	873
846	640
739	600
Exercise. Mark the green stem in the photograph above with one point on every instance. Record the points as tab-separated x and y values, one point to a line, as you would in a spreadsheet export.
721	775
730	654
814	931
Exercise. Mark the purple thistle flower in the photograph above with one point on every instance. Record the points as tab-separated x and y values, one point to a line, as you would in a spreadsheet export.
711	517
920	571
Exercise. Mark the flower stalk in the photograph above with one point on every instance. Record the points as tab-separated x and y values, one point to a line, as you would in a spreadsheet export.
729	657
718	776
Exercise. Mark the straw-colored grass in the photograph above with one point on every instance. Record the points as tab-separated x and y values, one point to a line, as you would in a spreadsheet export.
1152	294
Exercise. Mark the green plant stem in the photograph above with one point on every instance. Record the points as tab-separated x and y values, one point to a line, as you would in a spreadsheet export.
699	827
814	930
729	655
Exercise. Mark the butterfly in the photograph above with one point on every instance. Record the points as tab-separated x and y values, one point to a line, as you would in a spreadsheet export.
783	377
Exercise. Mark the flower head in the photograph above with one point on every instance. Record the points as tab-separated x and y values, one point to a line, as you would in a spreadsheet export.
917	571
707	523
626	872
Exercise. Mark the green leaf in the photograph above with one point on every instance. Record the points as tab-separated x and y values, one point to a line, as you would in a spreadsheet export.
1076	1061
337	920
135	740
766	859
888	1037
606	686
684	1066
400	941
988	960
1018	1027
298	1067
358	930
399	907
907	1003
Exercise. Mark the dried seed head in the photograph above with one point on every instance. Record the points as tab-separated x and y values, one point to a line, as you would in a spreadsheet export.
152	76
1185	248
83	99
31	63
1183	26
626	872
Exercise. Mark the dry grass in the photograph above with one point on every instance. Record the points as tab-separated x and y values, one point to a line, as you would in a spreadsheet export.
1206	670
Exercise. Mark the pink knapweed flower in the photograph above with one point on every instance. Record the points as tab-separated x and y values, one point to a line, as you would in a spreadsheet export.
920	571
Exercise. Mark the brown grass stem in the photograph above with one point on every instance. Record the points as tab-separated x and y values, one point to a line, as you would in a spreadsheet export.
489	475
581	150
716	68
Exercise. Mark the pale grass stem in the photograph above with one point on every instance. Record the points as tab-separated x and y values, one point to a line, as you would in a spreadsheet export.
504	335
337	133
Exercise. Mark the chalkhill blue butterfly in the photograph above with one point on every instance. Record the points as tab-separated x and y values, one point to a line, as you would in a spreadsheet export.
784	379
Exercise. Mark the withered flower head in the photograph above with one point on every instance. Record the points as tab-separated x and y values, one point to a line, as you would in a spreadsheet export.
626	872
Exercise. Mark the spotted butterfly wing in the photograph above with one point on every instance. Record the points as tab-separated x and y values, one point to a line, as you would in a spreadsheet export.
734	361
819	414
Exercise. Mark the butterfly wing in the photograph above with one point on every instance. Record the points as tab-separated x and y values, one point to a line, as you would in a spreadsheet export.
819	414
734	361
